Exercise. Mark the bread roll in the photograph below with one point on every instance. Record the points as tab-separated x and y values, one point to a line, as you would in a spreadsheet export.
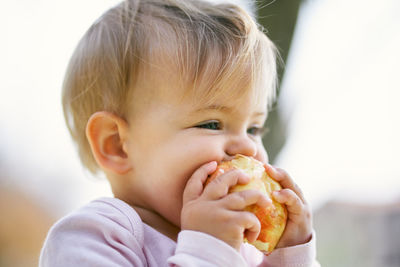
272	218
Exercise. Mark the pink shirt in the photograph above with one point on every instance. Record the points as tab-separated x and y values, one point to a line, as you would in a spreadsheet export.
108	232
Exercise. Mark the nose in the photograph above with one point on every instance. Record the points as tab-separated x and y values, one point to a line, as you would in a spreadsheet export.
240	144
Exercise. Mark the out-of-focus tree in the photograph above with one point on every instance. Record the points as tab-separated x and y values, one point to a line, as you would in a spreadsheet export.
279	19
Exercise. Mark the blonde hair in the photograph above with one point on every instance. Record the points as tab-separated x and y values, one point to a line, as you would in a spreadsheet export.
214	48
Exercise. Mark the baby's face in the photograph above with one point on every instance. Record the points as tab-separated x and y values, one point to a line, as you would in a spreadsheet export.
169	139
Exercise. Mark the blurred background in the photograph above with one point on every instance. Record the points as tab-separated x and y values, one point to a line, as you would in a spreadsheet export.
335	127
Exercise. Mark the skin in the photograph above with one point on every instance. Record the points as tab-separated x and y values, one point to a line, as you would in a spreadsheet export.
158	158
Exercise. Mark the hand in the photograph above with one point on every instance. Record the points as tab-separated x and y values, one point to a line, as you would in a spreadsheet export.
299	224
215	211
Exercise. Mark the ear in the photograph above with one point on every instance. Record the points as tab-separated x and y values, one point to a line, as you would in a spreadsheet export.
107	135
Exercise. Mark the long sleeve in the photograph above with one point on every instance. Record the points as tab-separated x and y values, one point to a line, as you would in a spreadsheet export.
199	249
297	256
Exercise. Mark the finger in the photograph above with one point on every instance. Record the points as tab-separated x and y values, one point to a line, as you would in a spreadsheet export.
284	180
219	187
292	201
250	224
194	186
240	200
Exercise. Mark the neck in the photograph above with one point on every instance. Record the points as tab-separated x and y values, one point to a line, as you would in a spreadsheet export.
148	216
159	223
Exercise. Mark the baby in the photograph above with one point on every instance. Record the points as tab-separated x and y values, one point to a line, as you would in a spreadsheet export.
156	94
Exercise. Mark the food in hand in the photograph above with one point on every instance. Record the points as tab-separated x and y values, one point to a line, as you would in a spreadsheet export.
273	217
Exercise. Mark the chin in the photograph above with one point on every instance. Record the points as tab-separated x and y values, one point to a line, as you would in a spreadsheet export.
272	218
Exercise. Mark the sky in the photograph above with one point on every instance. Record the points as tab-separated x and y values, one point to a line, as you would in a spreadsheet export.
339	98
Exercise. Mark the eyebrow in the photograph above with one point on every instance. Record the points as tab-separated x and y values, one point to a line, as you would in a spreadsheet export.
224	108
213	107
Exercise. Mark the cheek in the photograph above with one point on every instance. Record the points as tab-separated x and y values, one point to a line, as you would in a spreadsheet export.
194	156
203	150
261	153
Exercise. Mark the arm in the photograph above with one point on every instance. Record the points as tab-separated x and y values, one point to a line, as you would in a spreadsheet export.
213	220
219	215
303	255
213	210
200	249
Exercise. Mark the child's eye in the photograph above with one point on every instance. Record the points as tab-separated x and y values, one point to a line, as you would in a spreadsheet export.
210	125
257	131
